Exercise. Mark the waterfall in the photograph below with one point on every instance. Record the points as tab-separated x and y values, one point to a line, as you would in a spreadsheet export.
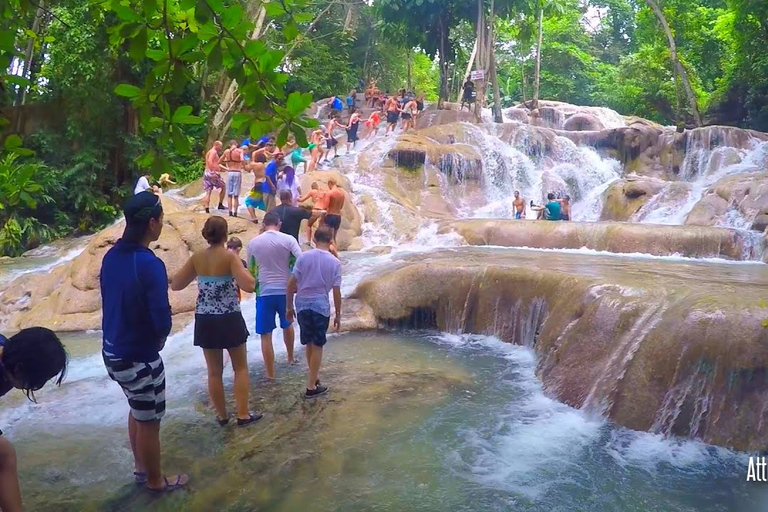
536	168
710	155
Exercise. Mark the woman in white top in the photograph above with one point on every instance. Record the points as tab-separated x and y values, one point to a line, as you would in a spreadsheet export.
288	181
142	185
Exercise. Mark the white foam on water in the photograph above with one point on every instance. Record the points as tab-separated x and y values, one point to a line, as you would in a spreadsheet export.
88	396
536	444
526	438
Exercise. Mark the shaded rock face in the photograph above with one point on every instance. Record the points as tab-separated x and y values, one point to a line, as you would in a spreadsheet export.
746	193
69	298
647	355
692	241
457	161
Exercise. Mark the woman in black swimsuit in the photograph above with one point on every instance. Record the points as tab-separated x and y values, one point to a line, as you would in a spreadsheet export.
354	123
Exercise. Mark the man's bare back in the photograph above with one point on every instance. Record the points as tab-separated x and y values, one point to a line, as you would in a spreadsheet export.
335	200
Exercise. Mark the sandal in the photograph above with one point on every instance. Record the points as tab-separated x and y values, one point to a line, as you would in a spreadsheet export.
222	422
251	418
170	487
140	477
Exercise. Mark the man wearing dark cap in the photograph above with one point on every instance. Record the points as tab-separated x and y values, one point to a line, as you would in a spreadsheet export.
136	321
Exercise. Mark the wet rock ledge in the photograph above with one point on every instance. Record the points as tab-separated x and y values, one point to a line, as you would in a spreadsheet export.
655	346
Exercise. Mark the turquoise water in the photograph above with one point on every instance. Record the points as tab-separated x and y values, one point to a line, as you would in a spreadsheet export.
413	421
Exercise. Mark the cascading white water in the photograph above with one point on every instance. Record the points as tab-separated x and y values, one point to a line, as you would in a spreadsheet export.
569	169
703	167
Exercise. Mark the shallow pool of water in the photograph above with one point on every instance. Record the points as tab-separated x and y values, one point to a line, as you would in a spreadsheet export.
413	421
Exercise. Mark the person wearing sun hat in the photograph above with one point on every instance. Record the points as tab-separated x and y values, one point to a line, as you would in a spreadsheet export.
136	320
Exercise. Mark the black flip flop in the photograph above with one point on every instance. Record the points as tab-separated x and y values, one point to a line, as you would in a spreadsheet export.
251	418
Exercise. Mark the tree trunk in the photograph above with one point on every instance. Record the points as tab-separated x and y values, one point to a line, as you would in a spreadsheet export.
469	70
481	61
494	78
21	93
442	34
676	62
230	102
497	117
522	79
348	19
537	72
409	78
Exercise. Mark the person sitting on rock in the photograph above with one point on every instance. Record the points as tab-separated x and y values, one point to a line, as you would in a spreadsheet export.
565	208
28	360
550	211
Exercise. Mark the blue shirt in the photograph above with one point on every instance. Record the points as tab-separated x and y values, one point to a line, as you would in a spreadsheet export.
134	302
270	171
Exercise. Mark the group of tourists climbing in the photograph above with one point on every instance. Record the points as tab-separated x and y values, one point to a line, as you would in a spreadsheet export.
289	284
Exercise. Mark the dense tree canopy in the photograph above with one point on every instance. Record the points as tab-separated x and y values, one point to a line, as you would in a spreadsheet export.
96	93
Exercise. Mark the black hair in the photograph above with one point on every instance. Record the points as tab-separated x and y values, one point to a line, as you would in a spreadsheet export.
567	197
550	196
33	357
215	230
286	196
323	235
271	219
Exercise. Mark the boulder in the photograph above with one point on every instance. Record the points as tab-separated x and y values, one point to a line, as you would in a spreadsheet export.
582	123
624	198
193	189
430	118
518	114
69	299
745	192
641	347
692	241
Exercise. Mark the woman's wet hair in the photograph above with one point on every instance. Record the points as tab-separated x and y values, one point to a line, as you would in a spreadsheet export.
215	230
33	357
